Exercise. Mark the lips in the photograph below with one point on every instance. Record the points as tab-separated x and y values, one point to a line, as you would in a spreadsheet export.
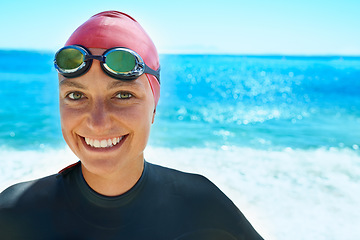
103	143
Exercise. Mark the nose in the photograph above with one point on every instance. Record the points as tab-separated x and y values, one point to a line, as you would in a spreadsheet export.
99	117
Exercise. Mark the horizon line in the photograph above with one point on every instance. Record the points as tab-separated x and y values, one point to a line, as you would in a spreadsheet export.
327	55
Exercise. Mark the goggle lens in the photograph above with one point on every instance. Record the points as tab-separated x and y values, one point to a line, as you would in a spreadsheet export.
120	61
69	59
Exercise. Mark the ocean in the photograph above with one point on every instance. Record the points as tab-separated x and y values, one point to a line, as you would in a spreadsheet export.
279	135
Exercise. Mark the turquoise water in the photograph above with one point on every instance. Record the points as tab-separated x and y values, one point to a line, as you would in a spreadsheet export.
279	135
29	115
206	101
261	102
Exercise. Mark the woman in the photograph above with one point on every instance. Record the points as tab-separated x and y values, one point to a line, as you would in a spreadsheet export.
109	86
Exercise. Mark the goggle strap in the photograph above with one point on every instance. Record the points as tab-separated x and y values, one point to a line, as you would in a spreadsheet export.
152	72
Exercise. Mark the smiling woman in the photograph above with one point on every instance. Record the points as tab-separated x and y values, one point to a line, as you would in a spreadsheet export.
106	114
103	112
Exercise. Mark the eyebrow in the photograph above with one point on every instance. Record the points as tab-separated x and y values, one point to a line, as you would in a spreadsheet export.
69	83
120	83
111	85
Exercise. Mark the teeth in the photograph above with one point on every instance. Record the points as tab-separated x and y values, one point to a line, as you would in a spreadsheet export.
96	143
102	143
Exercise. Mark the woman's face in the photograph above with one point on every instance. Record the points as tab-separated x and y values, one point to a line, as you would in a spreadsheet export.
106	122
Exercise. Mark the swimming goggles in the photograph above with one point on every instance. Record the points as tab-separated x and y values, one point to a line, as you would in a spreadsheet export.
118	62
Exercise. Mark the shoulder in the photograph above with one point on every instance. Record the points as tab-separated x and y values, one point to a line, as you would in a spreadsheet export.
25	206
25	193
200	202
178	178
195	187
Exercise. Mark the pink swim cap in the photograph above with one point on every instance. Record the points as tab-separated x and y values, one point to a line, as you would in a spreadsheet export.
116	29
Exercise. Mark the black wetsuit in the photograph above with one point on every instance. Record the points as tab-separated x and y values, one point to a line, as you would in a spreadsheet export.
164	204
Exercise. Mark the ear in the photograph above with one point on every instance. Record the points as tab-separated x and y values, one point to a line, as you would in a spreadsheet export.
153	117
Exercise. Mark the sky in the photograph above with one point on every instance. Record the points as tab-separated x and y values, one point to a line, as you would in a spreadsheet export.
280	27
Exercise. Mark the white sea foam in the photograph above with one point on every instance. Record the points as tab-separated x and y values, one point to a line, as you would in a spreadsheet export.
16	166
289	194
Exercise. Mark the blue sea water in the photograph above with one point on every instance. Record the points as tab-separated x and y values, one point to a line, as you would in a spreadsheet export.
206	101
279	134
259	102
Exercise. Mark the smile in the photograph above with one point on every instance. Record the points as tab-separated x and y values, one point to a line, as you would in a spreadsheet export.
104	143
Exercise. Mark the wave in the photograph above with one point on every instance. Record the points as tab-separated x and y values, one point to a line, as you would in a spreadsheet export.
278	191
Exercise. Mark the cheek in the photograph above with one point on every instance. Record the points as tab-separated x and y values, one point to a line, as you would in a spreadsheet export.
66	128
66	125
136	117
65	115
69	118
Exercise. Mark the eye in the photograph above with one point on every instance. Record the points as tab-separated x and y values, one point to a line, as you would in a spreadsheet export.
75	95
124	95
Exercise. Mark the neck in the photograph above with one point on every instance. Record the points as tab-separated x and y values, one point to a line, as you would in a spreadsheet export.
114	183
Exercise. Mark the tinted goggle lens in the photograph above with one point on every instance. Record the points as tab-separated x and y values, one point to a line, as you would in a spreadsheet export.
120	61
69	59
